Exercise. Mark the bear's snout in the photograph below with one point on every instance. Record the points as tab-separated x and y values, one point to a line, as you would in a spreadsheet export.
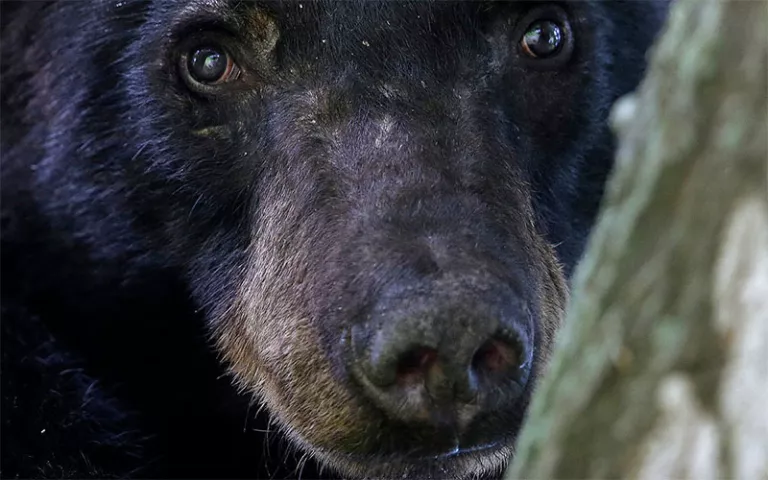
438	353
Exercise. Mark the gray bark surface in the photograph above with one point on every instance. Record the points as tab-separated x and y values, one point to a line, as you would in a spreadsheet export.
661	370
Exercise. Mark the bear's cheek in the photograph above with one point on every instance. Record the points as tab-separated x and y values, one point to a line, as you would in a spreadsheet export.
274	349
286	368
298	389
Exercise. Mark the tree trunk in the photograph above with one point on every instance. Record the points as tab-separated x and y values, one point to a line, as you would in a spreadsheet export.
661	370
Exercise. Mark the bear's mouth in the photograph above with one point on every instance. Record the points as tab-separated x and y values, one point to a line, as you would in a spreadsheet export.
459	451
456	463
452	453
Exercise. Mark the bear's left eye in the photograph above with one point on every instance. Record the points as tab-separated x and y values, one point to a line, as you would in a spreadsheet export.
207	66
211	65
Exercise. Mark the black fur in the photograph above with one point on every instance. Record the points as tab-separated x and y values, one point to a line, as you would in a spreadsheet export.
124	237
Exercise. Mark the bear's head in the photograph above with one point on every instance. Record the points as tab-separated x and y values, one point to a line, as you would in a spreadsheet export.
376	204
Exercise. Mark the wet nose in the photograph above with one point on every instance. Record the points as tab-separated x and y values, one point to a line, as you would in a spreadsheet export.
439	360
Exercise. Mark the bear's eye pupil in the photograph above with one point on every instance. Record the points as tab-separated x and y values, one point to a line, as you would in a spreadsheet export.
208	64
542	39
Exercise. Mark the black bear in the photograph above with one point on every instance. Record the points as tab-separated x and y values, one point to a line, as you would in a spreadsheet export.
241	238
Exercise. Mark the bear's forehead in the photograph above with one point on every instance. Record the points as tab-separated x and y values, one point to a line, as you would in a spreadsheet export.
329	16
443	38
367	8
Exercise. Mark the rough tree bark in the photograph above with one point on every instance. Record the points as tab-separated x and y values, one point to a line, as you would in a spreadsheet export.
662	368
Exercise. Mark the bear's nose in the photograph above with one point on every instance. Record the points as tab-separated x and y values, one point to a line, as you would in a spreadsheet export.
442	361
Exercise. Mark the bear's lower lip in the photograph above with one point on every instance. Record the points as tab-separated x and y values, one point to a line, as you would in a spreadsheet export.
459	463
458	451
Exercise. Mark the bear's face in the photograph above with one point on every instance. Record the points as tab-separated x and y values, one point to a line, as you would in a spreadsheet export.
376	204
391	182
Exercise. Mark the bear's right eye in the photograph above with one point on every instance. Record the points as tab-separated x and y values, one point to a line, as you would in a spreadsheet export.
211	65
543	39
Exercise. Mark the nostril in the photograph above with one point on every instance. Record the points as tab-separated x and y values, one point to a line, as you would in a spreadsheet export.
496	356
414	365
426	358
